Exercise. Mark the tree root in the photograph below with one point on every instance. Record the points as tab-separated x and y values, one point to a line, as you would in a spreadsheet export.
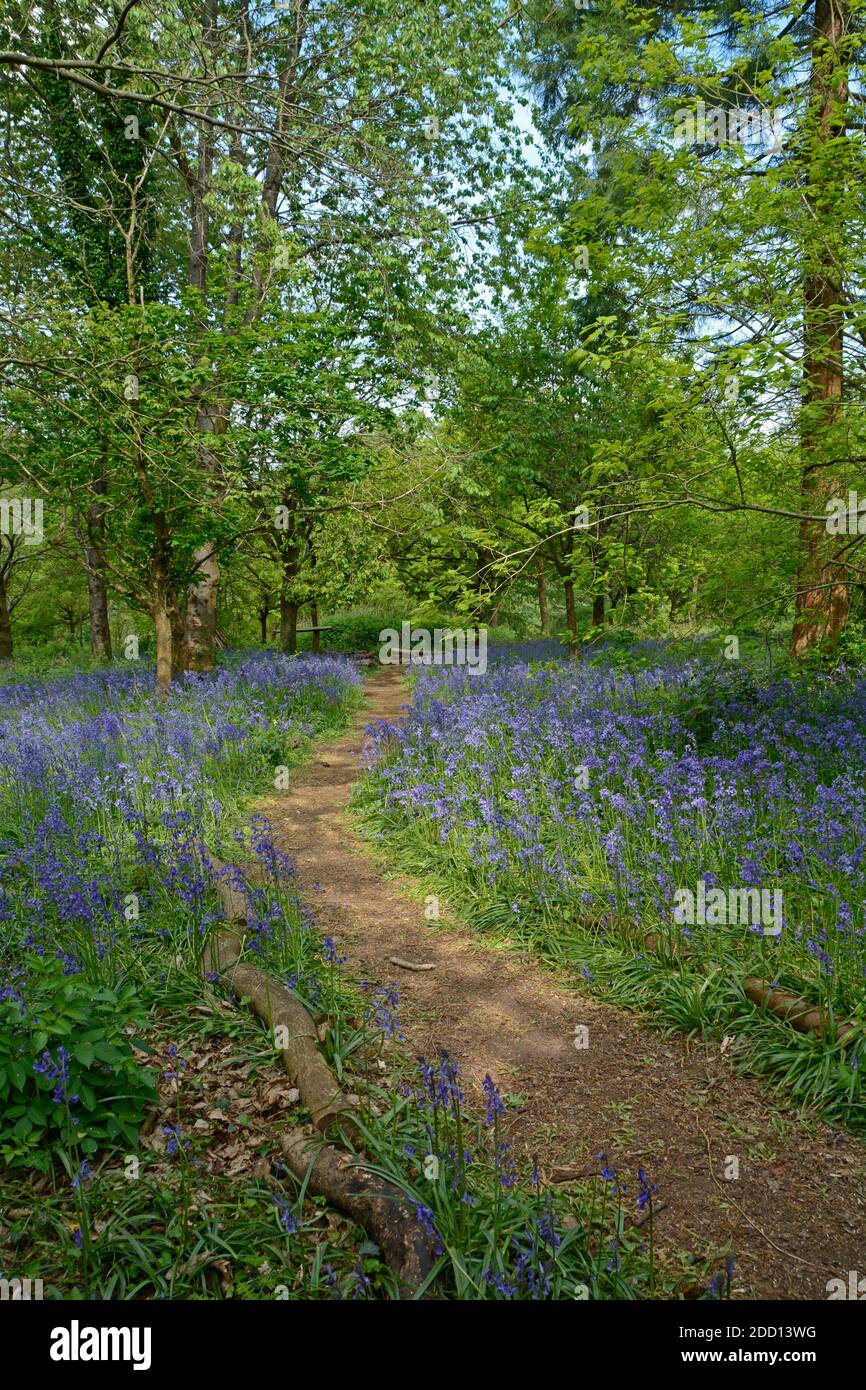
805	1017
802	1015
292	1030
375	1203
294	1036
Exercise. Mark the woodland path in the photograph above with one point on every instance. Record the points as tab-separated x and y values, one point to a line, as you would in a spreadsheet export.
794	1219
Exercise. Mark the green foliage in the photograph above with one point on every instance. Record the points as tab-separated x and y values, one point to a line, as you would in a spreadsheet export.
697	705
847	651
69	1079
355	630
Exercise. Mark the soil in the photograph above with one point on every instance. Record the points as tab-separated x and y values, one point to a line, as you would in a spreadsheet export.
795	1217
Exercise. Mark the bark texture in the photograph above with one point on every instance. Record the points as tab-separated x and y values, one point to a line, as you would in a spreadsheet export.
375	1203
822	596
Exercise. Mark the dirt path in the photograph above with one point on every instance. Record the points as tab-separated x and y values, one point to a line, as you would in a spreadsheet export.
794	1219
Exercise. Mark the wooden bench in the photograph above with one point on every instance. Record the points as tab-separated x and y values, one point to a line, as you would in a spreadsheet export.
315	629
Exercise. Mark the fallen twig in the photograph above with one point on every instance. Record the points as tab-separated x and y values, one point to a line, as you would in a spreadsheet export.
651	1211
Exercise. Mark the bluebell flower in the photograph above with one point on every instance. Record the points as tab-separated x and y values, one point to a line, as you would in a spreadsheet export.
494	1101
84	1174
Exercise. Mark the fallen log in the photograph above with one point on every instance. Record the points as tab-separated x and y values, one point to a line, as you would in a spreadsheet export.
222	949
375	1203
586	1170
294	1035
664	947
293	1031
805	1017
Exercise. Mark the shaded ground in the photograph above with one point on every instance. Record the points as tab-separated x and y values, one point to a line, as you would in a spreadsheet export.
796	1216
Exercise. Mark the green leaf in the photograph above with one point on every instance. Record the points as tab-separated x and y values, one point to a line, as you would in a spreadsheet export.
19	1074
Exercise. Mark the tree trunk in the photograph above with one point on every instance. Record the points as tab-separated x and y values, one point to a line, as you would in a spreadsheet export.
167	621
822	597
94	561
264	614
289	550
199	644
543	603
5	622
162	623
316	643
201	611
199	641
571	620
288	626
598	610
97	603
179	662
693	607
